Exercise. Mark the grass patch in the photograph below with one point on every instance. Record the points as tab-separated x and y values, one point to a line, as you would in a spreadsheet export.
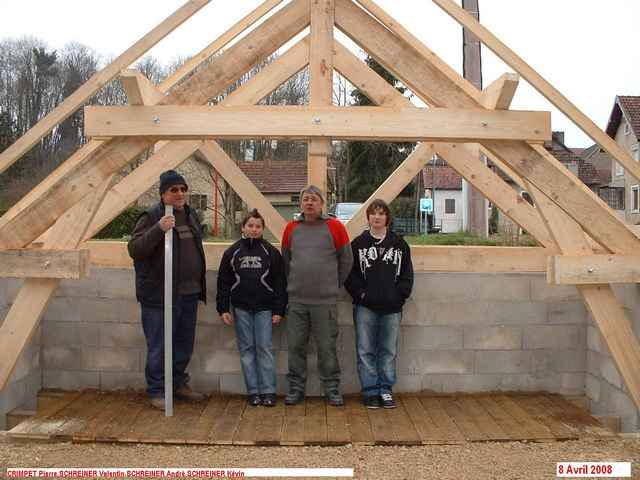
467	238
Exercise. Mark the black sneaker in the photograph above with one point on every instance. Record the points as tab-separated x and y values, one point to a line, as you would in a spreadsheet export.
387	400
334	398
269	400
294	397
372	402
255	400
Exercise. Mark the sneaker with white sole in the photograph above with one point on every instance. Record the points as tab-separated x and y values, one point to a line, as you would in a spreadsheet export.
387	400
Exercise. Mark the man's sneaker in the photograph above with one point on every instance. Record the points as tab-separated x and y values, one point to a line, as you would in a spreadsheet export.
371	401
254	400
269	400
334	398
294	397
157	402
387	400
185	393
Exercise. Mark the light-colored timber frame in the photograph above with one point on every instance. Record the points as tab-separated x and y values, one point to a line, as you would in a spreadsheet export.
582	241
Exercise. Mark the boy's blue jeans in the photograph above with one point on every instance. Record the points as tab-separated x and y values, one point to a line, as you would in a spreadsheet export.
254	337
377	349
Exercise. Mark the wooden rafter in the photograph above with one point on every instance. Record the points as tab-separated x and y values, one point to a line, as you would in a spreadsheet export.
541	85
97	81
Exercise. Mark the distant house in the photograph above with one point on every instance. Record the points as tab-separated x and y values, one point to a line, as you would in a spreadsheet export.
624	128
446	190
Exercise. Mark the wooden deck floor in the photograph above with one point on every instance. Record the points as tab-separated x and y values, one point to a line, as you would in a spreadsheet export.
92	416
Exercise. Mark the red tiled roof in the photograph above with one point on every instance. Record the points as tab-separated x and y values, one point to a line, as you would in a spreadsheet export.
442	176
630	106
276	176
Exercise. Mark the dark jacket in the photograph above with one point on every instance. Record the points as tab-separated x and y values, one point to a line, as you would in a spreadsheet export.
251	277
146	247
382	274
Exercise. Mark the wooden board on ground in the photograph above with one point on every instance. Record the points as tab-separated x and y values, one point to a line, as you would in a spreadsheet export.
538	409
32	427
404	431
293	428
445	424
247	427
112	405
270	424
575	415
507	423
427	430
315	422
203	428
483	419
358	421
78	415
225	427
122	421
463	419
534	430
337	431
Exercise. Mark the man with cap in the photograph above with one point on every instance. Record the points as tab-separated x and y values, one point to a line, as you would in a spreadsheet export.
146	247
318	259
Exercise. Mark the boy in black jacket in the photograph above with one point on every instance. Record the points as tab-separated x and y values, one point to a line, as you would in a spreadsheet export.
251	283
380	282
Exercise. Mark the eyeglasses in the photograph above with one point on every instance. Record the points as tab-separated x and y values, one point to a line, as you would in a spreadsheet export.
178	189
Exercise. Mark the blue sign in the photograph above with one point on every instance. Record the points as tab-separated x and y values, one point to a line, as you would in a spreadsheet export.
426	205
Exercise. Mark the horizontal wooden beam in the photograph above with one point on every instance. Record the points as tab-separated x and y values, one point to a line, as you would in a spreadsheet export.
355	123
536	80
593	269
71	264
425	258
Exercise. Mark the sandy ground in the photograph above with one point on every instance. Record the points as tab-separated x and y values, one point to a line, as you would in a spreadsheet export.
510	460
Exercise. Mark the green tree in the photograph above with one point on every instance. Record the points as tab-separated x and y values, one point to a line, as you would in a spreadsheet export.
368	164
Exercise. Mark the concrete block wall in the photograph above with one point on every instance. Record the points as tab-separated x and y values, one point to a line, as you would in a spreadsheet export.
26	379
604	385
460	332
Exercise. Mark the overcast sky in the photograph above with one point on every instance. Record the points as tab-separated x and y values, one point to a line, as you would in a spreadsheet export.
588	49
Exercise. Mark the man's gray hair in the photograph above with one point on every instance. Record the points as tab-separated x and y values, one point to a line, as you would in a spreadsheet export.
312	189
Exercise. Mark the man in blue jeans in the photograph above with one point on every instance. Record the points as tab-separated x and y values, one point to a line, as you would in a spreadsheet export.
146	247
380	282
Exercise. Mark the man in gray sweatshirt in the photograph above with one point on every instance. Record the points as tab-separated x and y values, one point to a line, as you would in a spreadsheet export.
318	259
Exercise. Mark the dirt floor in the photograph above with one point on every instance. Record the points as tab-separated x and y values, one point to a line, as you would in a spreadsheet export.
510	460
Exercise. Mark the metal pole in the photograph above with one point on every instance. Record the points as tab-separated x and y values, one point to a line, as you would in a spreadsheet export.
168	317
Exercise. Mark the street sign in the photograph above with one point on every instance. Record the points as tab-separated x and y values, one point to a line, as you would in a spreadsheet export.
426	205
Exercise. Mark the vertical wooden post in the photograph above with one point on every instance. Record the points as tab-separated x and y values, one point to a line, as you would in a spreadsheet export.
321	84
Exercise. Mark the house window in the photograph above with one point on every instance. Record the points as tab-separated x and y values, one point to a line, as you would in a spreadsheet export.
450	206
619	170
627	128
527	197
295	198
636	153
198	202
635	198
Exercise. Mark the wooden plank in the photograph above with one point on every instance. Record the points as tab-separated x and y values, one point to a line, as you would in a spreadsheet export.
34	295
293	428
213	153
97	81
404	431
577	416
481	417
139	89
218	44
513	429
337	426
415	44
320	85
543	86
24	226
358	422
78	415
593	269
315	421
112	406
499	95
381	429
427	430
540	412
121	423
225	427
296	122
32	427
143	429
450	431
269	429
392	186
533	429
246	432
438	88
177	429
204	427
463	419
70	264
